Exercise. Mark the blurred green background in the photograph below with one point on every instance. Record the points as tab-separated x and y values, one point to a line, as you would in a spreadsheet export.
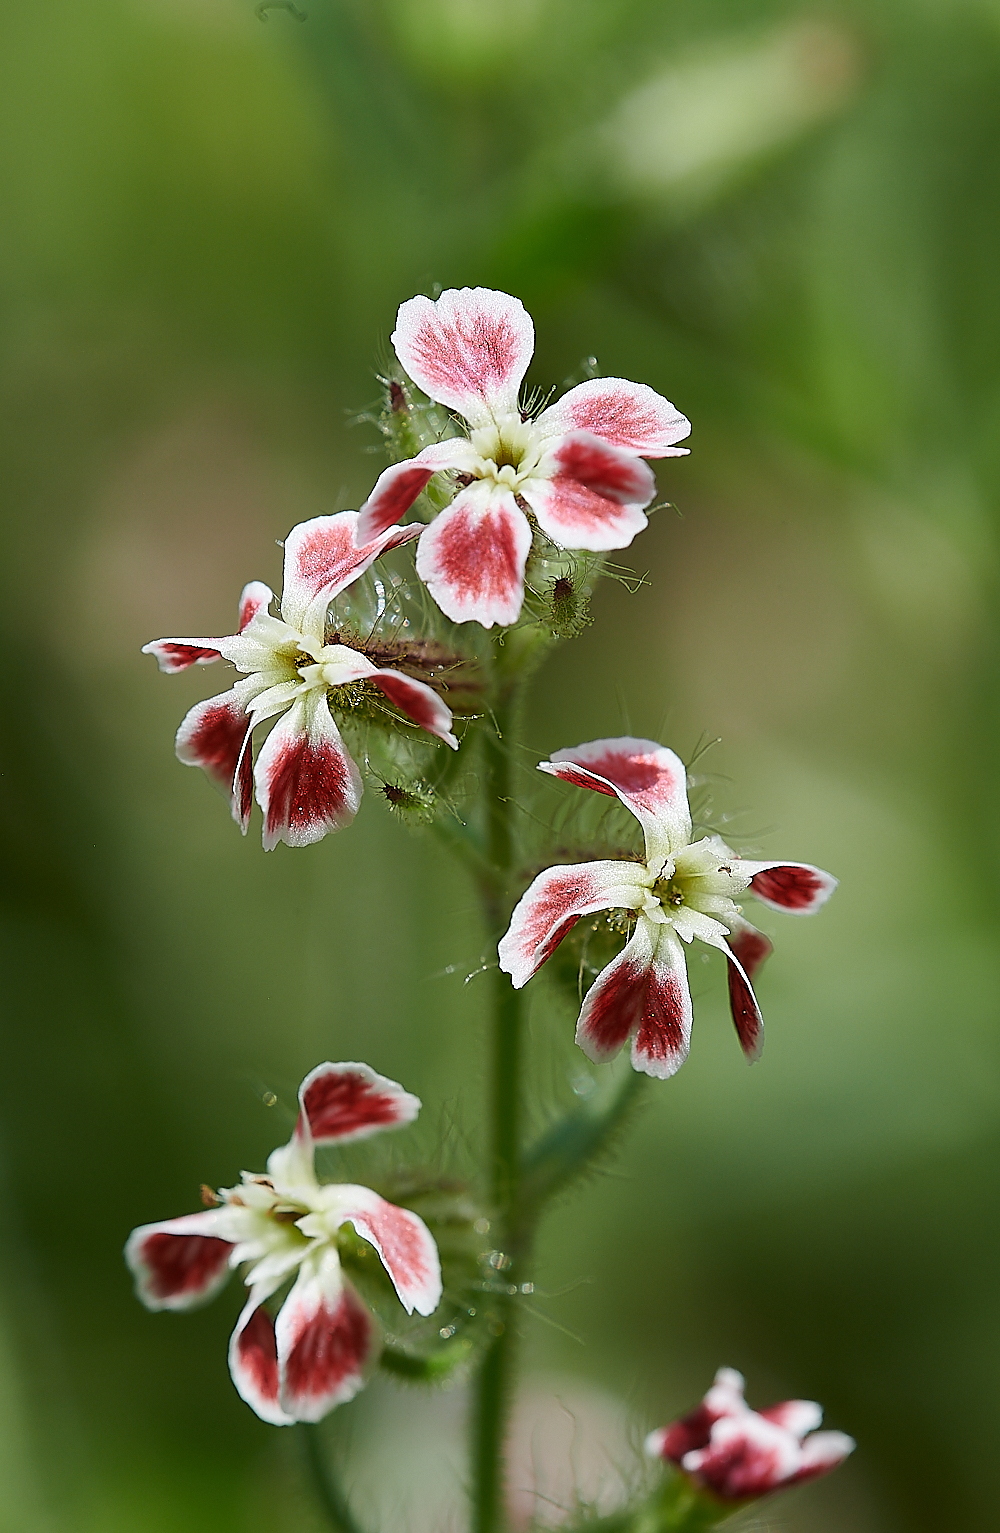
786	218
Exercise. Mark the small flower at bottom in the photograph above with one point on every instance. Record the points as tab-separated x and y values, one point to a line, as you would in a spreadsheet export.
576	468
682	890
739	1454
307	782
284	1226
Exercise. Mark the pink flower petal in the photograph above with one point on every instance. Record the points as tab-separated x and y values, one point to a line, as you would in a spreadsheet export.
418	702
322	557
256	597
469	350
797	888
173	655
307	784
589	495
398	487
214	735
796	1416
472	557
642	994
552	905
747	1019
179	1263
648	778
746	1457
350	1101
724	1398
749	945
325	1341
403	1242
628	415
821	1452
253	1362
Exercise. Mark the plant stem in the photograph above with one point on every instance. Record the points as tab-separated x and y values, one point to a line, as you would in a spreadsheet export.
494	1385
329	1495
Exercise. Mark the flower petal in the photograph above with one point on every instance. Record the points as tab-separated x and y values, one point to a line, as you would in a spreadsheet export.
179	1263
749	945
724	1398
643	993
402	1240
555	901
307	783
469	350
796	1416
325	1340
648	778
173	655
322	556
820	1453
419	702
746	1457
215	735
472	557
397	487
351	1101
797	888
628	415
253	1361
745	1011
256	597
586	494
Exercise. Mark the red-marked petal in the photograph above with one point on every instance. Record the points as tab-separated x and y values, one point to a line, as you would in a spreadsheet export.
418	702
322	557
253	1363
468	350
747	1020
725	1398
587	494
628	415
820	1453
351	1101
179	1263
797	888
214	735
326	1339
749	945
642	994
404	1243
648	778
256	597
173	655
552	905
746	1457
398	487
307	784
796	1416
472	557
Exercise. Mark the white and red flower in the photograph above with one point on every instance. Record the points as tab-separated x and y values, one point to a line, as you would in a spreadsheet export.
576	468
307	783
283	1227
683	889
739	1454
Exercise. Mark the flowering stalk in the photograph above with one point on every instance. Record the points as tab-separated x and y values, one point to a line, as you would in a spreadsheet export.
361	672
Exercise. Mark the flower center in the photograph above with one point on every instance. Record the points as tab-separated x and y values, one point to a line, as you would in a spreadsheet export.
670	891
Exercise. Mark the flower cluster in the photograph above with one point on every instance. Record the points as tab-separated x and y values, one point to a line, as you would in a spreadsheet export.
284	1227
740	1454
525	491
575	472
682	889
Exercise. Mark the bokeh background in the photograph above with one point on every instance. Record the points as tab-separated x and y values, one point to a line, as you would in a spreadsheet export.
785	217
